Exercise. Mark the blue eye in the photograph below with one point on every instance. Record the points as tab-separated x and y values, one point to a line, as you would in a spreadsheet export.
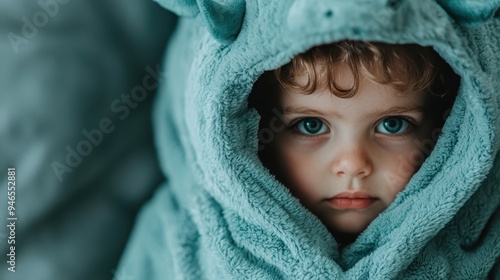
311	126
393	125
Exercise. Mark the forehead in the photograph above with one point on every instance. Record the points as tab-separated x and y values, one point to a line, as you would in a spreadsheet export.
370	97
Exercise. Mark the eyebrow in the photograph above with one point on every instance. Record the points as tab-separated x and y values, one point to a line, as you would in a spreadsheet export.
389	111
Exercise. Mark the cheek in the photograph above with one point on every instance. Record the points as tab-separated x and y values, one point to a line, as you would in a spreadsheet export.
295	168
399	166
294	163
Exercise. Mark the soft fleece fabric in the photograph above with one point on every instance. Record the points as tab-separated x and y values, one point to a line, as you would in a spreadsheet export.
222	215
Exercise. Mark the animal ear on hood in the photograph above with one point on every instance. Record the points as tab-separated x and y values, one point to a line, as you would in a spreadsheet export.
223	18
471	12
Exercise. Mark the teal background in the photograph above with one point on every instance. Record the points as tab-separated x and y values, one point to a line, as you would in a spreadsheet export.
61	79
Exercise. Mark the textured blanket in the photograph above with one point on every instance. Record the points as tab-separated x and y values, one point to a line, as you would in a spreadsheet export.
222	215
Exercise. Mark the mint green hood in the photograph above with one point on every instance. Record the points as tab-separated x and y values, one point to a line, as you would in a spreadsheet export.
222	215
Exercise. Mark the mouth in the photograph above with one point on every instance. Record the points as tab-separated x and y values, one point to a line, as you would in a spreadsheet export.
352	200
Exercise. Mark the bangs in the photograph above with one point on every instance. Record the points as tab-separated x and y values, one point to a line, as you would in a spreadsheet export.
406	68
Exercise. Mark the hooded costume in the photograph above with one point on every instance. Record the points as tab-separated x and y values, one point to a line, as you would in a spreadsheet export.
222	215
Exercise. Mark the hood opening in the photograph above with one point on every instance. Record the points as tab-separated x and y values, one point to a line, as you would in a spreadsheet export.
383	64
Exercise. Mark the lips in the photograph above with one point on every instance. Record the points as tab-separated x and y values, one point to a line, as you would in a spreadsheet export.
352	200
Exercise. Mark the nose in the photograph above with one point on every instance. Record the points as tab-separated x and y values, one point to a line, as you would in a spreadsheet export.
352	162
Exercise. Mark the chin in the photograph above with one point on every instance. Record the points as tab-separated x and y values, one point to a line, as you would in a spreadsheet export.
348	225
350	229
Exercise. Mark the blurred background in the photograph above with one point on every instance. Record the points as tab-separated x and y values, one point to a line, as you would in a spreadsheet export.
77	80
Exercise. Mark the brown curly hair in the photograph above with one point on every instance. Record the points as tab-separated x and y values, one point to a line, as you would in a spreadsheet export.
406	68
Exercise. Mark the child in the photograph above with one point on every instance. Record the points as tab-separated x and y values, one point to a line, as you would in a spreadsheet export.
349	180
352	114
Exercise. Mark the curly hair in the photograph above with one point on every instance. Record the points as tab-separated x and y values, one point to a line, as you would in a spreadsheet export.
406	68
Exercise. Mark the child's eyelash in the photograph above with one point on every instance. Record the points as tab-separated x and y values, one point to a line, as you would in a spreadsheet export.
410	120
293	127
293	123
306	136
412	124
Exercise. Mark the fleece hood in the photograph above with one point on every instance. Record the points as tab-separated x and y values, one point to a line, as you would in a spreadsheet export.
222	215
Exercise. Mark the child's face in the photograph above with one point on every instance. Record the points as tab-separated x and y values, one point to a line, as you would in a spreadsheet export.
347	159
